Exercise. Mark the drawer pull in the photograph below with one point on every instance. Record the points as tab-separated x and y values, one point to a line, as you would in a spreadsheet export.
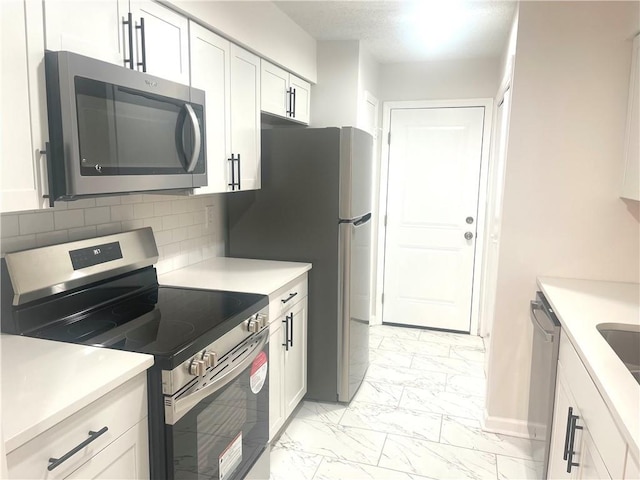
55	462
291	295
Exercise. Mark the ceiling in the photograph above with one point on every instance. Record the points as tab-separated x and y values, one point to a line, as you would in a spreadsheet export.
409	30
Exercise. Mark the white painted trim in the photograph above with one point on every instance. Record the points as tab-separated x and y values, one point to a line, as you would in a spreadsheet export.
387	107
507	426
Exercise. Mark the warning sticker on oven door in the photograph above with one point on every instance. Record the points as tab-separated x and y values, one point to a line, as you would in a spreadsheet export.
258	373
230	458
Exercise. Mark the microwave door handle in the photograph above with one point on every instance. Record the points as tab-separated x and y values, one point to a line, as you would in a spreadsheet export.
197	140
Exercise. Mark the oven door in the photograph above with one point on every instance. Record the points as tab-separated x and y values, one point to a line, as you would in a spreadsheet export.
222	434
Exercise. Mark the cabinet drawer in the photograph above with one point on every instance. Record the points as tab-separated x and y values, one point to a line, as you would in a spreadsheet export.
286	297
595	414
118	410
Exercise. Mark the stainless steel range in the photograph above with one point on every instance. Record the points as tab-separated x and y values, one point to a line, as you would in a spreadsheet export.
208	389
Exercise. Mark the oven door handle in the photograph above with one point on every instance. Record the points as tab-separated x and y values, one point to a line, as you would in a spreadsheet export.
181	407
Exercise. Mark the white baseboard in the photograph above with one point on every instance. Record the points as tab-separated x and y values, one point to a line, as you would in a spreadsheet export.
510	426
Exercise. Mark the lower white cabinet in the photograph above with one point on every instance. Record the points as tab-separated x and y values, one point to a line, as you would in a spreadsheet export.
287	352
111	433
585	442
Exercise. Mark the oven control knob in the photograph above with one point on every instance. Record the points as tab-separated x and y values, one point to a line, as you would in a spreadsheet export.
210	358
253	325
197	368
262	318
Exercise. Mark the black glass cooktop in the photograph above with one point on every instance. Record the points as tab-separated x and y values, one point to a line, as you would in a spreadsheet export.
170	323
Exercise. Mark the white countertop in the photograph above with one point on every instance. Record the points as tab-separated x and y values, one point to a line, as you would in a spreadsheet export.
580	306
43	382
236	275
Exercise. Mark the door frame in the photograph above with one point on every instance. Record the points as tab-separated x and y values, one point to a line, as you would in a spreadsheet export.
387	108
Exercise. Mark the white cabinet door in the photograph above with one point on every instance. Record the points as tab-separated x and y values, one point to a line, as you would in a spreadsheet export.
274	85
295	357
591	465
22	106
163	41
125	458
559	435
210	72
276	378
245	118
301	98
92	28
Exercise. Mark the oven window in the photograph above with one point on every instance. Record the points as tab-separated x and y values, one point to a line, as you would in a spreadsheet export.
126	132
221	437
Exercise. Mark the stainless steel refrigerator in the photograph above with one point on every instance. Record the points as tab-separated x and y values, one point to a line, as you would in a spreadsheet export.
315	206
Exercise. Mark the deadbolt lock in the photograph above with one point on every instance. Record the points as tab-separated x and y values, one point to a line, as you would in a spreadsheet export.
469	220
468	235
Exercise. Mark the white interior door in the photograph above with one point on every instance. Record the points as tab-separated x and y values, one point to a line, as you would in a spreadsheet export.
432	205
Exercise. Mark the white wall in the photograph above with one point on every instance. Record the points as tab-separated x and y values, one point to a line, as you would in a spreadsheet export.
261	27
562	215
182	232
334	100
441	80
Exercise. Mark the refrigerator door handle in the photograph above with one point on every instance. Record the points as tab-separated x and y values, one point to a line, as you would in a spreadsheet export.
356	222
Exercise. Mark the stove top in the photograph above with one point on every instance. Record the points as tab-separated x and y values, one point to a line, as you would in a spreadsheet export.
167	322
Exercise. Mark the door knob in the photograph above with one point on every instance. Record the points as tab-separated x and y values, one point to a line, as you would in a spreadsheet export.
469	220
468	235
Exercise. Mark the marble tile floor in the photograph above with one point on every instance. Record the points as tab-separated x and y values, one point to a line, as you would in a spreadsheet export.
416	416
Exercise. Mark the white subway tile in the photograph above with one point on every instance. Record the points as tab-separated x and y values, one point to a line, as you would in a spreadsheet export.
9	226
52	238
66	219
82	203
180	206
195	256
186	219
129	199
81	233
132	224
15	244
155	223
194	231
108	201
170	250
121	212
97	215
179	234
161	208
35	223
143	210
170	221
163	238
152	198
180	261
165	265
109	228
196	203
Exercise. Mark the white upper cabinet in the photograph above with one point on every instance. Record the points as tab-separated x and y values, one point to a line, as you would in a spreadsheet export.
210	63
22	106
230	76
146	34
631	182
284	94
161	38
245	120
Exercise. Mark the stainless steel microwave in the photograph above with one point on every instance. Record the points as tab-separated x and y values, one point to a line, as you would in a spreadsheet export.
114	130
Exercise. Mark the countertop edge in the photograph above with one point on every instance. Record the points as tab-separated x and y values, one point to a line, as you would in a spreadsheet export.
544	283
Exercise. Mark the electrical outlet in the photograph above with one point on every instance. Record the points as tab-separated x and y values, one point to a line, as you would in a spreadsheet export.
209	216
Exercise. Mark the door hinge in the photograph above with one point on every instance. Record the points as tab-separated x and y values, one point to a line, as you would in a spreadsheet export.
382	299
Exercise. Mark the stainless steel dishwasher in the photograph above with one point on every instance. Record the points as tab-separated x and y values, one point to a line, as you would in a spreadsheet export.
544	364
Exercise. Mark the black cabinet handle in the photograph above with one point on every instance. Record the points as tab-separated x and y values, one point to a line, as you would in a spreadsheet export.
293	103
55	462
291	295
129	24
239	186
291	338
50	182
571	451
567	433
289	102
286	333
143	45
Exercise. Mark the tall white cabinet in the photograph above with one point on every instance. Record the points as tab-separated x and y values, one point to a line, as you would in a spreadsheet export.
23	117
230	76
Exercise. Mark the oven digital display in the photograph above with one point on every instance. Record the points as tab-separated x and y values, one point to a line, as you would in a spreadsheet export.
88	257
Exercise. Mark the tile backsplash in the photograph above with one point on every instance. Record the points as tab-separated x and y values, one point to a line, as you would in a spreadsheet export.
187	229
